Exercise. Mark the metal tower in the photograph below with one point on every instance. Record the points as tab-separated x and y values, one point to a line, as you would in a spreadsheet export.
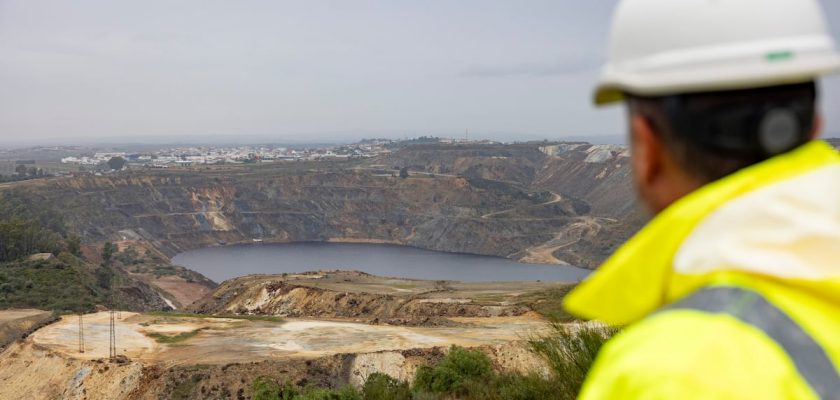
81	334
112	346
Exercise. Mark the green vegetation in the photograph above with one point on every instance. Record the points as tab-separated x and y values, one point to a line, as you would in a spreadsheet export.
26	230
454	372
18	204
549	303
69	284
20	238
116	163
570	352
173	339
469	374
184	389
63	284
266	389
108	250
74	245
383	387
267	318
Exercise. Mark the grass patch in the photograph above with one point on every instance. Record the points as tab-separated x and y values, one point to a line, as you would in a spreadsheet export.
173	339
570	352
267	318
548	303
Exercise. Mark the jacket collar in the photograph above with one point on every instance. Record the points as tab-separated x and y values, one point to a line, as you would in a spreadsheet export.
640	277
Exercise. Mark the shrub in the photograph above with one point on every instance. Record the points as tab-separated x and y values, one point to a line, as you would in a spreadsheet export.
453	370
527	387
570	352
345	393
265	389
383	387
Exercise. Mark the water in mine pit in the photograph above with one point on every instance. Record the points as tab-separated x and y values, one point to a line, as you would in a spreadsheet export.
222	263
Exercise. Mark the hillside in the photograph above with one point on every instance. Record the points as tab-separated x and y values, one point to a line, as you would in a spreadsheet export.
507	201
596	178
540	203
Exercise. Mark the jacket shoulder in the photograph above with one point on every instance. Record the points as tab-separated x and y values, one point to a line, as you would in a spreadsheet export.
688	354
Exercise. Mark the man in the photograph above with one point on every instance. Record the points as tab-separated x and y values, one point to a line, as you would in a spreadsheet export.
732	291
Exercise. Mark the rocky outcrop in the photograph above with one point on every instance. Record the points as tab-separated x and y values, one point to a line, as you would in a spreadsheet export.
307	295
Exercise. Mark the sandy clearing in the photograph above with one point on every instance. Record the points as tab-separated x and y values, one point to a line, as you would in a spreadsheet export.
225	341
63	336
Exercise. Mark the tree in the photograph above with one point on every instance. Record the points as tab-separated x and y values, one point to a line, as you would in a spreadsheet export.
404	172
116	163
108	251
74	245
32	171
21	170
104	277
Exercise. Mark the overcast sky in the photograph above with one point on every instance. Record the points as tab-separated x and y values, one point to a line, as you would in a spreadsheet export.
308	70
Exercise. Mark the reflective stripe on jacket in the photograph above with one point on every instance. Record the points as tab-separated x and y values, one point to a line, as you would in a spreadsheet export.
772	229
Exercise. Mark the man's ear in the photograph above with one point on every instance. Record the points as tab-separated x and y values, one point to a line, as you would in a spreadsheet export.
647	151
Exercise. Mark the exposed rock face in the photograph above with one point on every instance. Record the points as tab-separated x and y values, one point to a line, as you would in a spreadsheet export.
38	373
30	372
359	296
595	179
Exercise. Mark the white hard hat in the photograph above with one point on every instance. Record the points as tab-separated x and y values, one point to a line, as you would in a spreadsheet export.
663	47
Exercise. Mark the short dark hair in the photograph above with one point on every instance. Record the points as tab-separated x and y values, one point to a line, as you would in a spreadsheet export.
713	134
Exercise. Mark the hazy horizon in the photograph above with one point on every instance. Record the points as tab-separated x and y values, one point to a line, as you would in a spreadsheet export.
91	72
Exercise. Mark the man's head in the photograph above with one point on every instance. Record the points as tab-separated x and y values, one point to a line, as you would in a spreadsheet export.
713	86
682	142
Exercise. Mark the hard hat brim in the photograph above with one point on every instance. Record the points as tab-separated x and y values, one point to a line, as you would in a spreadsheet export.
613	84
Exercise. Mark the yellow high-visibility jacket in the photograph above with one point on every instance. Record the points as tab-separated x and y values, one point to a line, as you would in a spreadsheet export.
732	292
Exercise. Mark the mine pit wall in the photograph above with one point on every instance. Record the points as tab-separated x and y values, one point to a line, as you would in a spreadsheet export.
29	371
178	211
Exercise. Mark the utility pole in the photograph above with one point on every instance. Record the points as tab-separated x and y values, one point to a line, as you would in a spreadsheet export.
112	343
81	334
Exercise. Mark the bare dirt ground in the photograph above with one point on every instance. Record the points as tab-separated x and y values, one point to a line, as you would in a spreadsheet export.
184	292
228	340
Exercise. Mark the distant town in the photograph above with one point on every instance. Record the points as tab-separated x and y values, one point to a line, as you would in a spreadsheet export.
41	161
203	155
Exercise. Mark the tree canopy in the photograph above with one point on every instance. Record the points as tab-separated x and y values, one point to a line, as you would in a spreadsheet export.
116	163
